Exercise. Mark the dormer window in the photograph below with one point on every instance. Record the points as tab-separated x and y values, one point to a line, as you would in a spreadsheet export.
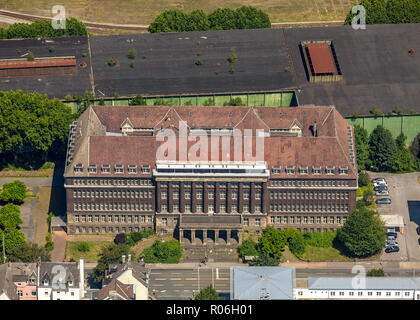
119	168
45	282
276	170
290	169
329	170
78	168
145	169
316	170
303	170
106	168
343	170
92	168
132	169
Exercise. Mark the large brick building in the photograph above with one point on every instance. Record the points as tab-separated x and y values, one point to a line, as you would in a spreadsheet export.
141	167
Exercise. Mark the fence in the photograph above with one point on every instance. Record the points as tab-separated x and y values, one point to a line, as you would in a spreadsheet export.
269	99
408	124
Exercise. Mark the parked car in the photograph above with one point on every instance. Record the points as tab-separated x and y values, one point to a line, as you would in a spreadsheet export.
383	201
380	184
392	234
378	180
390	243
382	193
418	230
380	188
392	249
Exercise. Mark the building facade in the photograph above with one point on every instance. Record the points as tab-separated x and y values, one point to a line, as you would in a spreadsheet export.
208	174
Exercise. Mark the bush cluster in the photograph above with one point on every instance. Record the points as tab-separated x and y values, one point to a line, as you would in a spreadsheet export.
163	252
245	17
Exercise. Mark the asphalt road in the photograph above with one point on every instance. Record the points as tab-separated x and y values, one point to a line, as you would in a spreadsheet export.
181	284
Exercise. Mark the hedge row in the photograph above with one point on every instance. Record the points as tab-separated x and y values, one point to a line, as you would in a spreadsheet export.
176	20
43	29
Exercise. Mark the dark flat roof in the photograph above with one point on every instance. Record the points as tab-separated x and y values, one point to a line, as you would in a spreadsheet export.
376	66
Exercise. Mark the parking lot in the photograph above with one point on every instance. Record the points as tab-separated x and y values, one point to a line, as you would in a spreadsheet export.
404	191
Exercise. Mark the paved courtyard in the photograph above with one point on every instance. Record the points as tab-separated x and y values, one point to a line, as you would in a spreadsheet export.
404	191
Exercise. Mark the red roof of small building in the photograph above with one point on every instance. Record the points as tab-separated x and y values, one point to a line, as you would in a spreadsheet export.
321	57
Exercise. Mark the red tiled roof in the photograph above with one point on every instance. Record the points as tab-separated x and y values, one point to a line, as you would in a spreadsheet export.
43	63
321	57
329	148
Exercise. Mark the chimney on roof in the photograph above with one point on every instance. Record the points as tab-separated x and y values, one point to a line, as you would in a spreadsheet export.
315	130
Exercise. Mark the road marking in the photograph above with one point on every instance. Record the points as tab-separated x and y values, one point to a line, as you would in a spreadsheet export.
160	279
190	278
174	278
158	285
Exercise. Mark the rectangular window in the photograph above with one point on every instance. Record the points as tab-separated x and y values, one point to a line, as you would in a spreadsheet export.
258	222
132	169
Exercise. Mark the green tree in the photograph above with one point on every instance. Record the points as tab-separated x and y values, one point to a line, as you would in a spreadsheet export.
172	20
10	217
382	148
207	293
28	252
376	273
248	248
363	234
368	196
163	252
376	12
110	254
248	17
14	191
364	179
30	123
361	141
403	11
297	245
403	159
223	19
415	147
271	243
266	260
132	53
13	238
197	21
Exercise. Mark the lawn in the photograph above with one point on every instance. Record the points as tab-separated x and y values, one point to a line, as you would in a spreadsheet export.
90	256
330	254
143	11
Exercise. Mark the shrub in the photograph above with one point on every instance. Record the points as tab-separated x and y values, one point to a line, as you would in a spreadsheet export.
51	49
198	62
208	293
364	179
120	238
111	62
247	248
48	165
49	246
232	57
231	70
83	247
31	56
132	65
84	55
163	252
132	53
134	237
376	273
234	102
287	69
138	100
297	245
